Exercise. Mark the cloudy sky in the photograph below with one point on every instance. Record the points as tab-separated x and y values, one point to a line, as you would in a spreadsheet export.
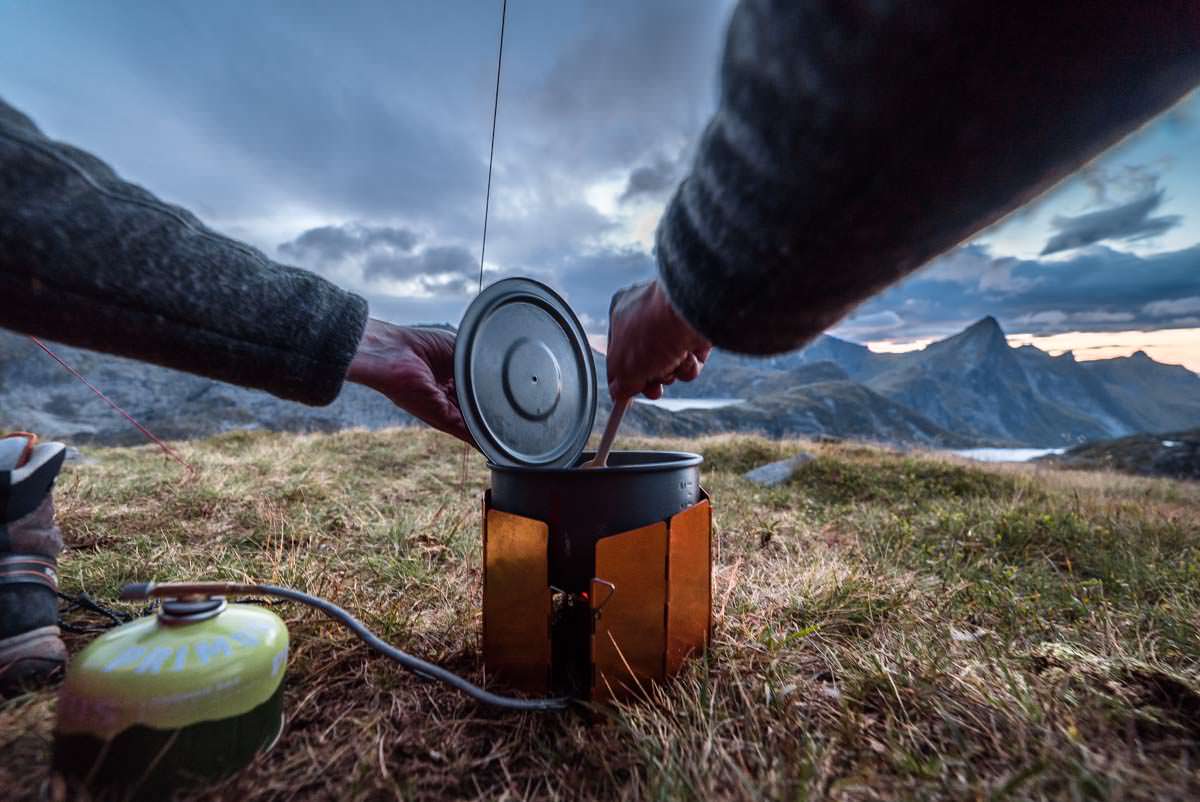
352	139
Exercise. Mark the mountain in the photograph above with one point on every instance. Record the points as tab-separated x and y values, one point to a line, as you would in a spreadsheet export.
1072	384
842	409
972	384
1157	397
967	390
729	375
1175	455
36	394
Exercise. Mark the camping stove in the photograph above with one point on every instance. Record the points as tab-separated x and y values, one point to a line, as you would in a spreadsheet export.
596	581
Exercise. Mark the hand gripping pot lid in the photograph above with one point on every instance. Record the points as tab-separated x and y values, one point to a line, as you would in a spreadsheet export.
525	377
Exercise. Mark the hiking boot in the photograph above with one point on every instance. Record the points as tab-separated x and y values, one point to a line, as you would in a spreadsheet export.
31	649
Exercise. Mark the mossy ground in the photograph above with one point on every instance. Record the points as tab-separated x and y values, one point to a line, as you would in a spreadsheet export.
887	627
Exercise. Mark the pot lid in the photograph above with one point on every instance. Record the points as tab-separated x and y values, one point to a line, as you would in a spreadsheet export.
524	375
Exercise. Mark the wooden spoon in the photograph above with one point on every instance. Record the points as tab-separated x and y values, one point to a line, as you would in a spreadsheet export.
610	434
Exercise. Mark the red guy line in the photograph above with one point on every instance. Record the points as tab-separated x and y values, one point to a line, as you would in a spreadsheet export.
170	452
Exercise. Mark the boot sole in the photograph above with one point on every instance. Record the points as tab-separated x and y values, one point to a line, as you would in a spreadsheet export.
31	657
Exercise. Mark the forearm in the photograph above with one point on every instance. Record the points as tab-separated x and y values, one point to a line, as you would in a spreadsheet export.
852	146
93	261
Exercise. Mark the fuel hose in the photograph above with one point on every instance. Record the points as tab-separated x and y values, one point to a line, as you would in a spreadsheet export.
178	590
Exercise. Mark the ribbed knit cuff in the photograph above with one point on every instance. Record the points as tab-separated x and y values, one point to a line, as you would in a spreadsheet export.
326	367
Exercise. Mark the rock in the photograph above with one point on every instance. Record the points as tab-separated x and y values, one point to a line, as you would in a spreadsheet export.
776	473
75	455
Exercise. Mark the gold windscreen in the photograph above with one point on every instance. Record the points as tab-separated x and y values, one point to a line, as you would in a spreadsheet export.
516	600
628	603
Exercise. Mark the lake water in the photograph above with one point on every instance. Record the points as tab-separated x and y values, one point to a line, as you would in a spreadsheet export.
680	404
1006	454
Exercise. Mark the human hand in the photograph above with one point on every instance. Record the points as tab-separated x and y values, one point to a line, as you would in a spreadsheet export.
649	344
414	367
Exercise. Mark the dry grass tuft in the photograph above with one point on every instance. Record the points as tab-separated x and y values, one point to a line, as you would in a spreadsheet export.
888	627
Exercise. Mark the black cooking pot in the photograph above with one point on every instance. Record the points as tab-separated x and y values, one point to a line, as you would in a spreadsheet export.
638	488
581	506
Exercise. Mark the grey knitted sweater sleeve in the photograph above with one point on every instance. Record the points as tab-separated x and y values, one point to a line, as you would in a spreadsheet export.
94	261
855	141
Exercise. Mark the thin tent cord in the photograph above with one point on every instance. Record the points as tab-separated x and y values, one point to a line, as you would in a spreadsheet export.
487	197
170	452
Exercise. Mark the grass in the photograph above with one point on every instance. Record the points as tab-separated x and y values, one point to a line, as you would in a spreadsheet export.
887	627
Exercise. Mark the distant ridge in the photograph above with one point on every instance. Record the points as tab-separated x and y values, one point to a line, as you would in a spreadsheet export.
966	390
1174	454
973	384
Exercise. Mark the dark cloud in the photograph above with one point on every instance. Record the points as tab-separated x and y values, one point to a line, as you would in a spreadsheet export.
377	254
588	280
1129	221
624	84
447	279
1173	307
1108	183
538	228
332	243
638	79
1099	289
651	180
363	112
438	266
873	326
431	309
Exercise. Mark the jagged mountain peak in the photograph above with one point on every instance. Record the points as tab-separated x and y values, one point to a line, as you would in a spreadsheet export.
986	328
986	323
981	337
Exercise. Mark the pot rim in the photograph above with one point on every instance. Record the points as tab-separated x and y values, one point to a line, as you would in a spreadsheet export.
670	460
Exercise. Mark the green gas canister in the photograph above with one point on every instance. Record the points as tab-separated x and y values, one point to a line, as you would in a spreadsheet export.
191	695
167	701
